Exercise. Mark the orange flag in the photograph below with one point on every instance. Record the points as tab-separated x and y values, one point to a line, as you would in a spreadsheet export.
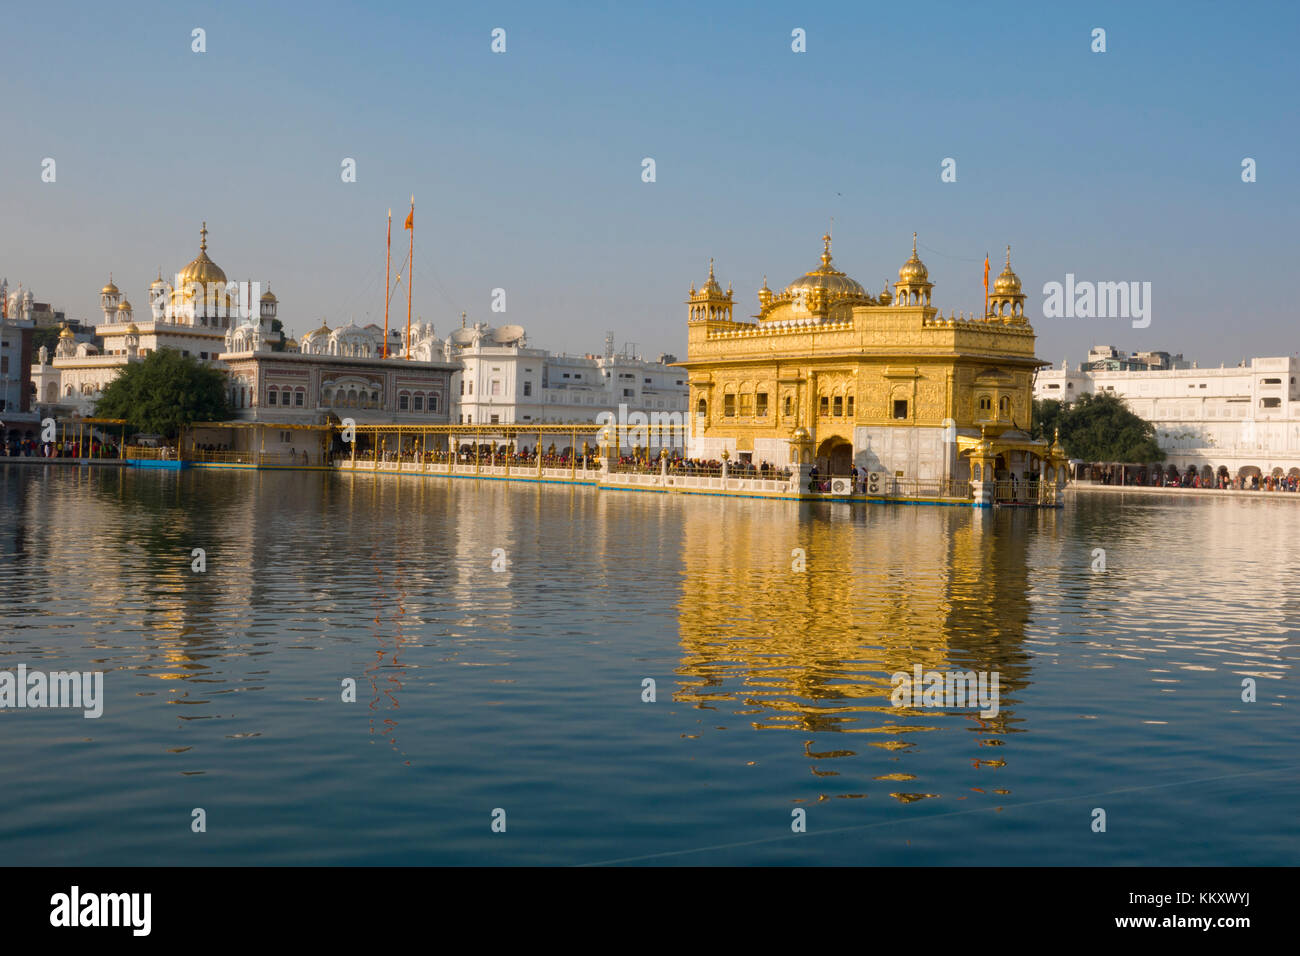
986	273
410	224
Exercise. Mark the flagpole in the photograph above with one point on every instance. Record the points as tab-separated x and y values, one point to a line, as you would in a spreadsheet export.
388	280
986	284
410	279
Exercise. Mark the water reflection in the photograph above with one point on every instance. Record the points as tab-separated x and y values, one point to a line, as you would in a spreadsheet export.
813	651
473	679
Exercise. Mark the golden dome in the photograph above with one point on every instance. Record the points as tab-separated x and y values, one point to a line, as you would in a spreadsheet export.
800	434
66	333
1008	283
914	270
158	282
836	283
201	269
132	329
711	286
124	306
269	296
109	289
290	344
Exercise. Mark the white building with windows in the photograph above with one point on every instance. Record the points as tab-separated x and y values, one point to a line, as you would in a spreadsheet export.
17	323
193	316
1242	421
504	381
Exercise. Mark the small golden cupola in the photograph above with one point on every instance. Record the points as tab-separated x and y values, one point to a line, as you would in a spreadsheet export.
109	297
158	297
710	303
268	304
1007	302
914	285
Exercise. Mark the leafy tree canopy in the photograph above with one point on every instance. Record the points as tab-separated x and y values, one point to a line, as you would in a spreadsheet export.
1098	428
165	391
45	335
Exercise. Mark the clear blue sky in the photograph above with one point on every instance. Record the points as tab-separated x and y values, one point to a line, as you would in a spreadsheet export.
526	166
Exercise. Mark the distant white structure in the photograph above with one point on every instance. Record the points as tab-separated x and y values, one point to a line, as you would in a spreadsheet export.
197	315
16	329
1240	421
504	381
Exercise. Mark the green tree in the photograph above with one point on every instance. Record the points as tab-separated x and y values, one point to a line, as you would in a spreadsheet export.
47	336
1098	428
1047	416
165	391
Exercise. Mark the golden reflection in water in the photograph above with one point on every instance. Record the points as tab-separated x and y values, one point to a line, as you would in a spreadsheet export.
813	651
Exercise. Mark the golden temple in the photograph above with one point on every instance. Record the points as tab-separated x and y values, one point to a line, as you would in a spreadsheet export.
828	374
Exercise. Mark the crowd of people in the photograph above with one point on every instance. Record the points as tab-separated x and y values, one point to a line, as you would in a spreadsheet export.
1222	481
522	457
16	447
702	467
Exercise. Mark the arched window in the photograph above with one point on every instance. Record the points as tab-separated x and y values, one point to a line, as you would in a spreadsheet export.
272	395
417	402
403	402
702	407
1004	405
986	403
433	402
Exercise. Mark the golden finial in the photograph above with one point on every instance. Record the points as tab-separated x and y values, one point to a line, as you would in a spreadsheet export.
913	243
710	268
1008	256
765	280
462	320
203	237
826	249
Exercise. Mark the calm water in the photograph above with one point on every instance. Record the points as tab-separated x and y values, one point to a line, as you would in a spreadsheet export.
522	689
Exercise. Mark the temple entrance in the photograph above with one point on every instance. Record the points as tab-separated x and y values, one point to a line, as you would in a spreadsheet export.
835	457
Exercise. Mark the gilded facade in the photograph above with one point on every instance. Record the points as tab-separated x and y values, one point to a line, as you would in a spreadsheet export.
884	382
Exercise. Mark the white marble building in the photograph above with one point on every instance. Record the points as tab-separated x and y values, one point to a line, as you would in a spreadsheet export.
16	327
1244	419
504	381
192	315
